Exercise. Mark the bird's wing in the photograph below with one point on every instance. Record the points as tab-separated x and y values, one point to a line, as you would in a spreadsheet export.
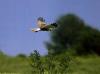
49	27
35	29
41	24
53	25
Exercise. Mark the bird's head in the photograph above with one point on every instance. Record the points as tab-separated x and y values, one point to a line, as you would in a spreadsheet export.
41	19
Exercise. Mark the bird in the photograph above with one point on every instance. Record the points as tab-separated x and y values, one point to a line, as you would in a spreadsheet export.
42	26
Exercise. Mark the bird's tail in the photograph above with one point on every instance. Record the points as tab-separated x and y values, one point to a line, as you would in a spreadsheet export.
54	24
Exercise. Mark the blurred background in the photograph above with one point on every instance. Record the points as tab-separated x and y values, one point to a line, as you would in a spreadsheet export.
72	48
17	17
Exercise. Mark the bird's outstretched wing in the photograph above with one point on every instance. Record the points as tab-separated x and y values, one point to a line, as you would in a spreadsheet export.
49	27
35	29
41	22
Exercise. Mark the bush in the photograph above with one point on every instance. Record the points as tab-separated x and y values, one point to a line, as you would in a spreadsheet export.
49	64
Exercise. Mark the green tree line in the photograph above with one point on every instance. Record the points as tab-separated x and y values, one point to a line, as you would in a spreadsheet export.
74	35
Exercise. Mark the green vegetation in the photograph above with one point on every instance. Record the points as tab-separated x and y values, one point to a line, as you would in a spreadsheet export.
74	34
79	65
74	49
16	65
85	65
49	64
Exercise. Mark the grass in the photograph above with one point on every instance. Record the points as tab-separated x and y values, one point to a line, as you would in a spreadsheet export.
15	65
79	65
85	65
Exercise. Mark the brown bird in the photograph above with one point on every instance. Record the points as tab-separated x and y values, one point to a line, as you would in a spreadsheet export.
42	26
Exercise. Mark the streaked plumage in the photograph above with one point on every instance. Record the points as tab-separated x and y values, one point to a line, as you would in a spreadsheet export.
43	26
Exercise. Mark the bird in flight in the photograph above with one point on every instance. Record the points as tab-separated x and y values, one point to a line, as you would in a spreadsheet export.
42	26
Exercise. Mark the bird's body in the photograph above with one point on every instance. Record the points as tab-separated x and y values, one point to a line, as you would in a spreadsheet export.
42	26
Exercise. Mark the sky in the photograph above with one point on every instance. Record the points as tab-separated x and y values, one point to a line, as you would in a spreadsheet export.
17	17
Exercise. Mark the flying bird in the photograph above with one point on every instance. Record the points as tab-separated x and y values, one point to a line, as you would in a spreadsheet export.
42	26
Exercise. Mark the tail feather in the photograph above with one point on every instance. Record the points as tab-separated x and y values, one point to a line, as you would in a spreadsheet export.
54	24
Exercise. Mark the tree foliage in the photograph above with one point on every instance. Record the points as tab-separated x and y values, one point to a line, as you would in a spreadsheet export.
49	64
75	34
